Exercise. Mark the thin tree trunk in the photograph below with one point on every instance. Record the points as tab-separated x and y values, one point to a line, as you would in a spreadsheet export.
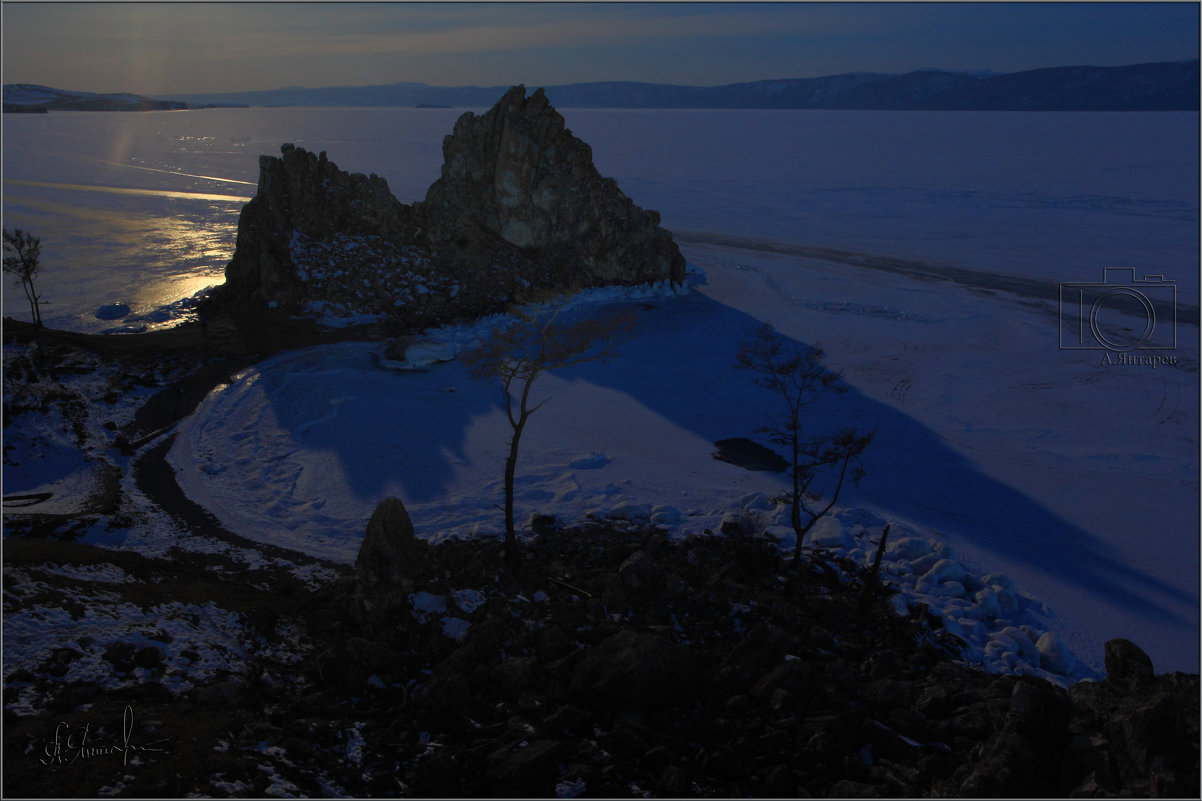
510	470
511	463
795	512
27	285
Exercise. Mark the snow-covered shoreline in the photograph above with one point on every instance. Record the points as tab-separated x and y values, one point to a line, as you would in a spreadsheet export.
282	455
1074	477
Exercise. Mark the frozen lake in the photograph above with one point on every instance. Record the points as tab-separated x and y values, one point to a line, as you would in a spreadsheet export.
142	208
1077	478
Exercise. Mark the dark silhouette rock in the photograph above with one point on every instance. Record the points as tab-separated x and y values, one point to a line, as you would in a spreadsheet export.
1127	664
389	557
517	172
748	454
519	210
313	229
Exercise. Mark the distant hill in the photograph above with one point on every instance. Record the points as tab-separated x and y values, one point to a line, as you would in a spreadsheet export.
24	97
1162	86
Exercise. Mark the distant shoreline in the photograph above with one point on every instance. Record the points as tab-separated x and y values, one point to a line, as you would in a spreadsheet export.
1158	86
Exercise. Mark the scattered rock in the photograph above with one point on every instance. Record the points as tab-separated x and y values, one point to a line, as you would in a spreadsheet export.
908	548
112	311
829	533
589	461
639	573
543	523
737	525
640	667
59	662
121	656
708	675
632	512
526	764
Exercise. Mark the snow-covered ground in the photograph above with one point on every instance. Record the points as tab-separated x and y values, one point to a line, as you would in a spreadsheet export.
1076	478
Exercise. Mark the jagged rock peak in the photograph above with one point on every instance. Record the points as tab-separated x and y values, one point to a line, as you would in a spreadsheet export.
521	174
347	203
304	201
519	209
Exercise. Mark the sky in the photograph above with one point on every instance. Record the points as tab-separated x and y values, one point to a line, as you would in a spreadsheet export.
165	48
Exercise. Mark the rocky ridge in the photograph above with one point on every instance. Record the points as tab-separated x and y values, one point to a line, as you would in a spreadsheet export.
519	210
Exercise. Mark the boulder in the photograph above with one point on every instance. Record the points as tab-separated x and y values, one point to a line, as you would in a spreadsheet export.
1127	664
1054	655
389	556
735	524
749	455
908	548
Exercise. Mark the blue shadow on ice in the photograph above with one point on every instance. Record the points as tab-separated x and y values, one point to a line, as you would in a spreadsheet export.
911	472
680	368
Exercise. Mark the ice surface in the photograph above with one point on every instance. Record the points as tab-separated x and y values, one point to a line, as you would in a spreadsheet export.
977	468
151	200
1075	478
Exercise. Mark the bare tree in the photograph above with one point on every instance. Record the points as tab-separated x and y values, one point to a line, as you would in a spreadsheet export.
26	249
797	375
536	341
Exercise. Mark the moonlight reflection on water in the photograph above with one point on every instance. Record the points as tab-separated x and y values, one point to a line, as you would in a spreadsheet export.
167	245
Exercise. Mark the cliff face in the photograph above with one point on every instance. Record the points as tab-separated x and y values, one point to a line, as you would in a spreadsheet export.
519	208
314	232
520	174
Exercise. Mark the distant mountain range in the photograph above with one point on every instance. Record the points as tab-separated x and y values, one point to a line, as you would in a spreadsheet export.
29	97
1163	86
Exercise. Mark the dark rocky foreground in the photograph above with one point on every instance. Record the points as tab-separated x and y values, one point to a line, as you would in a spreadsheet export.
611	663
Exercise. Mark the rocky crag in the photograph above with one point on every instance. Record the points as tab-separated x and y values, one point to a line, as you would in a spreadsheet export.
519	210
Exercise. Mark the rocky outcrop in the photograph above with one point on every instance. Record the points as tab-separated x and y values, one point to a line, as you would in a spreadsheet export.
519	209
520	174
389	557
314	231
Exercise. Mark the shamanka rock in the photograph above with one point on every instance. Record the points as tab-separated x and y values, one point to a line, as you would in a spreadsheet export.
519	173
518	211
